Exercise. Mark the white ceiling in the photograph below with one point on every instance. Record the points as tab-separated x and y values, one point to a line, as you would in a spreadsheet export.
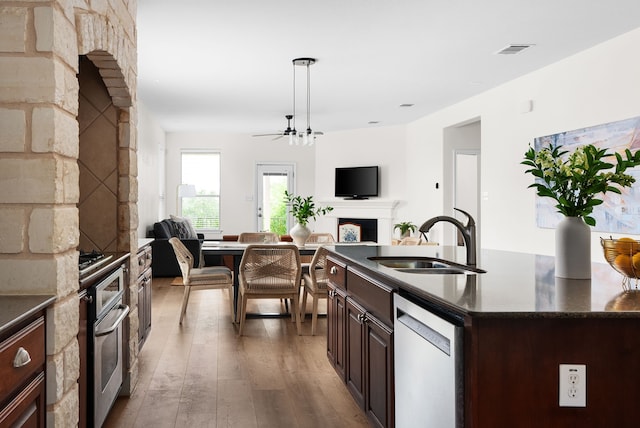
226	65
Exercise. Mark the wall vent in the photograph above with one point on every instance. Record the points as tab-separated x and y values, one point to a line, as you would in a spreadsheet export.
514	49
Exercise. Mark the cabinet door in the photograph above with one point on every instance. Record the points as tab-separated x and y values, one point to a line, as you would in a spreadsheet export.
378	372
144	295
332	319
144	307
141	312
341	333
355	375
27	410
147	303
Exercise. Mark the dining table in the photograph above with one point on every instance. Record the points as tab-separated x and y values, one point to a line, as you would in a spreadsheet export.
236	250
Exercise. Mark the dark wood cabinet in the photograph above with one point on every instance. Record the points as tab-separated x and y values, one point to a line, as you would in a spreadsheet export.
336	335
144	294
369	373
355	351
360	338
22	376
378	369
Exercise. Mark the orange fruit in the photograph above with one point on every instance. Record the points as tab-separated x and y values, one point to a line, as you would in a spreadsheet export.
635	262
627	246
624	264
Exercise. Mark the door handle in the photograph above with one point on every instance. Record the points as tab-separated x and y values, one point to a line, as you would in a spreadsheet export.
116	323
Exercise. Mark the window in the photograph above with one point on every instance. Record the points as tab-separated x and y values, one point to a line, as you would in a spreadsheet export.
201	170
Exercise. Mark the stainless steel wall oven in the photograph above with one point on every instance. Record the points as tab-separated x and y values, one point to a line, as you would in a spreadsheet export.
106	315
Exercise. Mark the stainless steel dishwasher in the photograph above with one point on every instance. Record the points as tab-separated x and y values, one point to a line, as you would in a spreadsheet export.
429	382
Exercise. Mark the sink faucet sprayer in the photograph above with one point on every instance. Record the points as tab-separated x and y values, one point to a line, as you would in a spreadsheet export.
468	232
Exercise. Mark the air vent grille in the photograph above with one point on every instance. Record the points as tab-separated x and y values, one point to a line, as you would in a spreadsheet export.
514	49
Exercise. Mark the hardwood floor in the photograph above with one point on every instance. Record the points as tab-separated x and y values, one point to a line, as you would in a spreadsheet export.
201	374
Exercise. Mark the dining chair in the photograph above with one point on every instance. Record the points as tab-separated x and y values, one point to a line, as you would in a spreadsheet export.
410	240
269	271
315	284
315	238
258	237
320	238
203	278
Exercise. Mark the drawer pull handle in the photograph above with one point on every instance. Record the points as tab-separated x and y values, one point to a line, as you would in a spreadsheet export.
22	358
333	270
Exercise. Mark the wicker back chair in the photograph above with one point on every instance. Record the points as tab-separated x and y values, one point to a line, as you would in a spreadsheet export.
410	240
321	238
315	238
268	272
315	284
258	237
203	278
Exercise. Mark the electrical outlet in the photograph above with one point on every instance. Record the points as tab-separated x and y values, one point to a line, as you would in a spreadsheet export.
573	385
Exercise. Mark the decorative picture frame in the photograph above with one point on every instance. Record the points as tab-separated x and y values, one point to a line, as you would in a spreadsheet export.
349	232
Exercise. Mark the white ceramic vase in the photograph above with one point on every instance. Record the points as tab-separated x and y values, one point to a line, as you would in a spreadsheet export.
573	249
299	234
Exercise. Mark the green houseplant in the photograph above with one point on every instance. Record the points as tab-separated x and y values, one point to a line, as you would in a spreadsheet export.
575	180
302	209
405	227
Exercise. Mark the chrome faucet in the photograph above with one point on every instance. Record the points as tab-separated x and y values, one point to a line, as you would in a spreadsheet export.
468	232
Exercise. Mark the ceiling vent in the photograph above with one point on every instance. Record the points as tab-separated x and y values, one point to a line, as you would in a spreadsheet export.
513	49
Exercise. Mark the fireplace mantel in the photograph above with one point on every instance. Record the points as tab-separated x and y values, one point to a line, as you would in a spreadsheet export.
381	209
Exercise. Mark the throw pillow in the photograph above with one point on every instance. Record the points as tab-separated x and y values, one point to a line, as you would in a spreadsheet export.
184	228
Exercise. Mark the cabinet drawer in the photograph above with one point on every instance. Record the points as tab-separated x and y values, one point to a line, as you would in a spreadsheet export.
144	259
375	296
337	272
31	339
27	409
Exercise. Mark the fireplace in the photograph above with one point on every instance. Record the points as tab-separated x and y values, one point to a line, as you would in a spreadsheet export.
368	228
379	212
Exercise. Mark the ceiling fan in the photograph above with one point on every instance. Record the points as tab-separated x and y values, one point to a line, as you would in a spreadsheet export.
287	131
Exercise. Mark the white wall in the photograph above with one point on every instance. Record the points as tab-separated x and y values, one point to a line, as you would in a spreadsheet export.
596	86
151	162
381	146
239	156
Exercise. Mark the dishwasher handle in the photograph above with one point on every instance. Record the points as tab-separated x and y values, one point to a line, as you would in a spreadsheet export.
427	333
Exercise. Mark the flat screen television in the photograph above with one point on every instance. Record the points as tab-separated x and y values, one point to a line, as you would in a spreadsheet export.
360	182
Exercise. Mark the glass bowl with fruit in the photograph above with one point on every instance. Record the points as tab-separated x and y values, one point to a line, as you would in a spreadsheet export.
624	256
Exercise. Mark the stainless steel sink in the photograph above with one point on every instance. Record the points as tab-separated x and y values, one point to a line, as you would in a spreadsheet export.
424	265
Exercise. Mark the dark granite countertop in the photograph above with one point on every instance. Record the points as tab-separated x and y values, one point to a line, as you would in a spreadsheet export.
515	284
16	308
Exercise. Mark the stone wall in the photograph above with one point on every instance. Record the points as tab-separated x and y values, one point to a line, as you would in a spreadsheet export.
40	42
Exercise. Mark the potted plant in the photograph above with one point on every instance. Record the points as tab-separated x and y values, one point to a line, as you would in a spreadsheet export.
302	209
575	181
406	227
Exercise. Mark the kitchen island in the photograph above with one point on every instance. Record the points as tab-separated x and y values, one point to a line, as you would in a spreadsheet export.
519	324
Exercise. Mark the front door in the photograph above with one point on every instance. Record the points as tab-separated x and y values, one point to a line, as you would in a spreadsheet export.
272	181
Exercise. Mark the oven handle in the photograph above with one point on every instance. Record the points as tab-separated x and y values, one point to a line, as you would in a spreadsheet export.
116	323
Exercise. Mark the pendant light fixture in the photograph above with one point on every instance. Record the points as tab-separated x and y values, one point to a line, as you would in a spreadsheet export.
307	137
